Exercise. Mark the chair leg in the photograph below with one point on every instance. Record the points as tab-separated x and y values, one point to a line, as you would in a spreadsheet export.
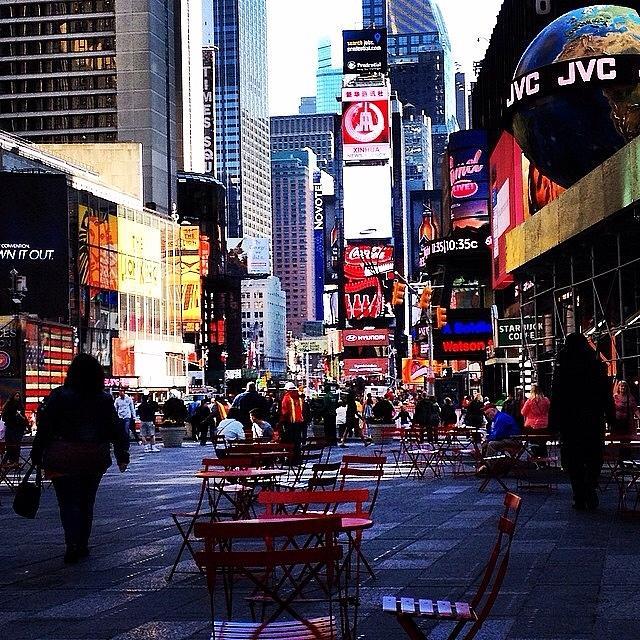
410	627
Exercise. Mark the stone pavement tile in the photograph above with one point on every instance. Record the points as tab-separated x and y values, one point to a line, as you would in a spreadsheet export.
163	631
418	560
621	570
551	613
618	629
619	603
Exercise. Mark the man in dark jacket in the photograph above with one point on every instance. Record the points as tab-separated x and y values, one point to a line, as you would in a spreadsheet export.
147	410
248	400
581	403
383	411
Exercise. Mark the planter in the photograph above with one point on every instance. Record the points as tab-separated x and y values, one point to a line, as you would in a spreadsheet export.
172	434
317	430
381	433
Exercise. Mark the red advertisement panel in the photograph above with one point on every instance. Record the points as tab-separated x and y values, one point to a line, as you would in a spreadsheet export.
370	367
368	272
365	123
366	338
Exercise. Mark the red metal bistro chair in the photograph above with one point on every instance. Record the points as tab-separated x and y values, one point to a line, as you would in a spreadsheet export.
477	610
282	573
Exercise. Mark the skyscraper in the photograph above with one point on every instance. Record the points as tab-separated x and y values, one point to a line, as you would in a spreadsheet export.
402	16
293	248
239	29
98	71
328	80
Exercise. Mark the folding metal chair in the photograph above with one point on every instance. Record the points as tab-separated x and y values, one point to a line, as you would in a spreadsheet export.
474	612
281	572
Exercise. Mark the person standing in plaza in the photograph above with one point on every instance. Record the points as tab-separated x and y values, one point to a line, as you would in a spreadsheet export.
626	410
76	426
581	404
448	415
292	419
535	412
247	400
147	410
329	417
126	414
15	424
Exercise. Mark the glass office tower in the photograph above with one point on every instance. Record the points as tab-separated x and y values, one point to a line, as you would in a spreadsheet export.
93	71
243	162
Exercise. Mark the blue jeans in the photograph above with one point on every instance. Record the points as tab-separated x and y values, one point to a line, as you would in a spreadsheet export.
128	424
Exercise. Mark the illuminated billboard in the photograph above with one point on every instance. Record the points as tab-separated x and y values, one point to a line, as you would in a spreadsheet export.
365	367
139	259
365	123
190	282
364	51
368	271
466	336
250	255
415	371
34	240
468	160
367	202
518	190
98	248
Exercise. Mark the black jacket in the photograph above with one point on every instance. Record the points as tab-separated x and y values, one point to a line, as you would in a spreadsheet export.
71	416
147	410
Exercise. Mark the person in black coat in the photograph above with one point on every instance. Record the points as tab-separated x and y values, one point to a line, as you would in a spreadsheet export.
248	400
581	403
76	426
15	424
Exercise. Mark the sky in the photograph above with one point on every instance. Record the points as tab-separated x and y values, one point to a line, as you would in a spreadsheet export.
295	26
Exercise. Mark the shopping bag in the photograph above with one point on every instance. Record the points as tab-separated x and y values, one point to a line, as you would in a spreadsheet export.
27	498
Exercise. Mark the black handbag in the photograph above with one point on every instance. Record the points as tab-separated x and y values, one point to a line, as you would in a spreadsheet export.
27	498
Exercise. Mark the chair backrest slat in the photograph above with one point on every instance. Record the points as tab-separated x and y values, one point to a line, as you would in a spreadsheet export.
334	501
362	467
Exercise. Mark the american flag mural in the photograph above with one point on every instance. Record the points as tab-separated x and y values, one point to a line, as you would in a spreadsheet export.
48	351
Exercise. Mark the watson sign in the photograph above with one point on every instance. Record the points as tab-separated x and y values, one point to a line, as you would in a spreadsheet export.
466	335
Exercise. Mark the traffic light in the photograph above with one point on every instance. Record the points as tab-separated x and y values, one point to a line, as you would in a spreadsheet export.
441	317
397	294
425	298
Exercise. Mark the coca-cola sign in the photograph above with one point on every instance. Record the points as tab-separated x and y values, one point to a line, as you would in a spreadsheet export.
368	276
366	338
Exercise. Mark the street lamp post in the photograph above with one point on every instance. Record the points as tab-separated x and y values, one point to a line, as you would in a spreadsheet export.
18	290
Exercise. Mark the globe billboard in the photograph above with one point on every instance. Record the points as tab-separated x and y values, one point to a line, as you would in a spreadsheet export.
575	91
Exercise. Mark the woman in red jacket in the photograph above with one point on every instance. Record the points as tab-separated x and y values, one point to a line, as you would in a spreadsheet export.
536	417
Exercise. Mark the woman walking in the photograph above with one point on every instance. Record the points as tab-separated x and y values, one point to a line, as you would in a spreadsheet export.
76	426
15	423
536	418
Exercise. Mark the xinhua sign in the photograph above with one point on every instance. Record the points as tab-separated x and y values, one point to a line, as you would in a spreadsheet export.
509	331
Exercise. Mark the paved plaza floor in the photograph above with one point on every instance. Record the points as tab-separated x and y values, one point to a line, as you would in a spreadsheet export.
573	575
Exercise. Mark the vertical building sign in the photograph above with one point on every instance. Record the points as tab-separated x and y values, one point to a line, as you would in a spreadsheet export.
208	95
318	243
